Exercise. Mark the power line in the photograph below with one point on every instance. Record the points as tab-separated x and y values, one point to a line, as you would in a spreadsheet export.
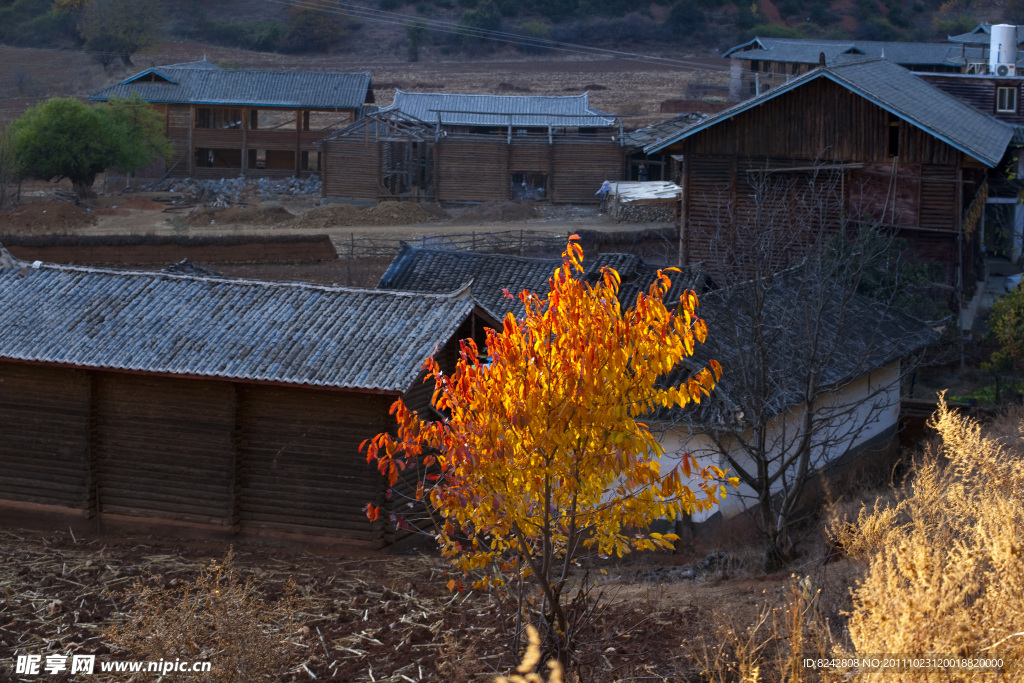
396	18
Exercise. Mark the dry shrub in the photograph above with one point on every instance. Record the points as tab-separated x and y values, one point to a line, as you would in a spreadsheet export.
772	648
525	670
945	574
219	617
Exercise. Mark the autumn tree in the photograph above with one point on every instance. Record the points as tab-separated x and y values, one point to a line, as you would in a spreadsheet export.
64	138
542	453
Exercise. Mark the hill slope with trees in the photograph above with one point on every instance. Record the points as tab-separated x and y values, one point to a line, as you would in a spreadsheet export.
108	31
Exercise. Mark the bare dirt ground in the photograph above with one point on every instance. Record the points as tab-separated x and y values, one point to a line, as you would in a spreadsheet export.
368	617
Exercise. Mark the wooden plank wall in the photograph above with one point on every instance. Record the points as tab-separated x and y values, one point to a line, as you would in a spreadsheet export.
580	166
165	447
301	466
471	170
351	168
211	452
980	93
44	448
820	121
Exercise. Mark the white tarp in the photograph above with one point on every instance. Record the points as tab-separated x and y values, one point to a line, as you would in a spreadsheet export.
626	192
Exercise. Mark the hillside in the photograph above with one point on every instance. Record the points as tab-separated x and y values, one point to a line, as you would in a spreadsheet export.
409	29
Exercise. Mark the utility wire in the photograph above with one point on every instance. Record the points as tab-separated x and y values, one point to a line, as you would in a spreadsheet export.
343	8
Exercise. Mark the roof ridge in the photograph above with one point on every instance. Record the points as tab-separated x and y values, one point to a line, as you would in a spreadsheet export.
454	295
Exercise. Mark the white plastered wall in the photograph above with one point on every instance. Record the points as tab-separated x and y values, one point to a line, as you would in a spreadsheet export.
873	408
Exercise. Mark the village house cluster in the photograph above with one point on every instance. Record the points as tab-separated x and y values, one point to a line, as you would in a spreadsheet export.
240	405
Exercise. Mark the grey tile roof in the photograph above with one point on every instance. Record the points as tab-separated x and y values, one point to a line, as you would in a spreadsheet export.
857	336
645	136
808	51
495	110
900	92
191	84
290	333
982	35
435	270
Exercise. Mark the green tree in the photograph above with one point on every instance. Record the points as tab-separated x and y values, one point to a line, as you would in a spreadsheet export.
1006	329
8	169
477	23
418	34
64	138
120	28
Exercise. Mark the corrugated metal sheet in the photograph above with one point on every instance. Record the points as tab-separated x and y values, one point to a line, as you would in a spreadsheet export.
208	327
247	87
498	110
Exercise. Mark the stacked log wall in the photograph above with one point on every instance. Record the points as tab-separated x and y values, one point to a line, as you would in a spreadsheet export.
215	453
44	449
351	168
164	447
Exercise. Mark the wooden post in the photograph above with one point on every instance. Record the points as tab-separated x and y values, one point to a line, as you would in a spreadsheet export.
191	147
245	144
298	142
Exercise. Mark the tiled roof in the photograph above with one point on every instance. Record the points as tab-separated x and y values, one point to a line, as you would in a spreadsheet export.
900	92
982	34
808	51
290	333
435	270
658	131
856	336
192	84
499	110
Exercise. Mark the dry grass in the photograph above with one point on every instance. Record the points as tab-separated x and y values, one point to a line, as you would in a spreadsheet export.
219	617
945	574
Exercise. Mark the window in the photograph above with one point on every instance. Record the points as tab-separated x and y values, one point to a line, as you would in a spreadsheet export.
1006	100
209	117
894	136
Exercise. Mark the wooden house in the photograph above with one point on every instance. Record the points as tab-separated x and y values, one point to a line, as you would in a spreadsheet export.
895	150
246	122
230	404
449	147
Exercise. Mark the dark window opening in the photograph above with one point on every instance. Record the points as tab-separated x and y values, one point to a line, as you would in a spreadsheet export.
218	158
311	161
210	117
894	136
272	159
529	186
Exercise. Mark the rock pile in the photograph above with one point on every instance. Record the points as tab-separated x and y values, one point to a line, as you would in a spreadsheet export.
230	191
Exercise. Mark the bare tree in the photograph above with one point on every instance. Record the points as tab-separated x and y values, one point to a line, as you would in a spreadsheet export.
812	366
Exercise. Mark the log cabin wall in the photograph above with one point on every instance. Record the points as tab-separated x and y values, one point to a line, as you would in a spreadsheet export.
44	448
474	170
823	123
164	447
351	168
301	469
819	121
216	453
980	93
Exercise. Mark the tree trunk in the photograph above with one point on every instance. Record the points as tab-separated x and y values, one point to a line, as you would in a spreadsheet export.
83	186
